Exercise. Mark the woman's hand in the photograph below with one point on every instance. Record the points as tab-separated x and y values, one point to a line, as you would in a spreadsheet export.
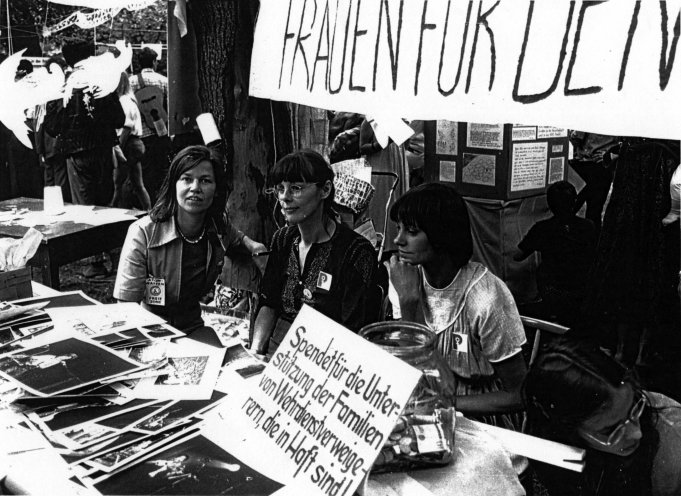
405	279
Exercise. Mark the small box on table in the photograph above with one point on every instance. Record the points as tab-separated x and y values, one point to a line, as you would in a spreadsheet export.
15	284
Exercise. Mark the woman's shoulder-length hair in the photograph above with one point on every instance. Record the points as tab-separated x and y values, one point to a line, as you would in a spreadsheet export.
186	159
441	213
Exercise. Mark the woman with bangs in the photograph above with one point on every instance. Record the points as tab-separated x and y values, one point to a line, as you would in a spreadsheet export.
172	257
578	395
472	312
315	260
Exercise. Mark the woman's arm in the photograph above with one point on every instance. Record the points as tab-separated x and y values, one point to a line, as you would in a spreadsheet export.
263	328
132	266
512	372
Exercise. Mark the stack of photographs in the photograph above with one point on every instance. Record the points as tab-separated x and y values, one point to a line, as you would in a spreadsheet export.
115	391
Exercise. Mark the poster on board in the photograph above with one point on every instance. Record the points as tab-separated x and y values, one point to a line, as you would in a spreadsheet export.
448	171
479	168
489	136
528	166
447	137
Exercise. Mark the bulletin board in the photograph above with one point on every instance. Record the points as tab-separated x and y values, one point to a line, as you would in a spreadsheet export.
495	161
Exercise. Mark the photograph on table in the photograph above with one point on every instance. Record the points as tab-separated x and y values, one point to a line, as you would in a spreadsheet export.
83	435
102	319
159	331
237	358
118	458
177	412
126	420
194	466
58	419
191	373
61	366
229	329
65	299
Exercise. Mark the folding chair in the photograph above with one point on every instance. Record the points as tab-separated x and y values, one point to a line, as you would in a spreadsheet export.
540	325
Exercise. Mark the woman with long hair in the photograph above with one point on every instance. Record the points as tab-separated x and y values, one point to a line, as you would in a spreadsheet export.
461	301
172	257
314	260
130	150
578	395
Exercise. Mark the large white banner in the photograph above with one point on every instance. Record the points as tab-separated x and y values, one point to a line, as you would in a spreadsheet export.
602	66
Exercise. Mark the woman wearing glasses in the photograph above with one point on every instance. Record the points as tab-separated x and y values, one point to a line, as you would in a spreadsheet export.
314	260
577	395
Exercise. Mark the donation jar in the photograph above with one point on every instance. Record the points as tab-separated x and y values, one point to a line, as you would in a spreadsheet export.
423	435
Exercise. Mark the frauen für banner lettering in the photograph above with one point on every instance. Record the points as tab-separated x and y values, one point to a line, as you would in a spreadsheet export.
605	66
320	412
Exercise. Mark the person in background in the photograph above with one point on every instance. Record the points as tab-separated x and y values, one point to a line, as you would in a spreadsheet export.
130	148
172	257
53	162
344	136
459	300
157	147
85	130
567	245
593	161
315	260
577	395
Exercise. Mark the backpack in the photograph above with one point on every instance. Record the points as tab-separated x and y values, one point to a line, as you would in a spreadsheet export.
150	102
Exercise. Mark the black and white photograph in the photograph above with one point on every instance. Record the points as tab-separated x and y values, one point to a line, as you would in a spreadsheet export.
63	365
483	192
196	466
191	372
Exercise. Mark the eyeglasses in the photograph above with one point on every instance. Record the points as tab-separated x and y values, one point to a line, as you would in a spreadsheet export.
294	189
618	432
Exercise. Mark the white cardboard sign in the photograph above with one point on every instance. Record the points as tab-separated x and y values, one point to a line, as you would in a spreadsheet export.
321	410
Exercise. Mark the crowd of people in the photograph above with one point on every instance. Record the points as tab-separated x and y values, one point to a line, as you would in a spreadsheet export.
99	150
610	278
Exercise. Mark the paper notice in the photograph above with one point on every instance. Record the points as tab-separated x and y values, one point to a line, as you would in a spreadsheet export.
447	138
544	132
479	169
490	136
448	171
524	133
528	166
556	169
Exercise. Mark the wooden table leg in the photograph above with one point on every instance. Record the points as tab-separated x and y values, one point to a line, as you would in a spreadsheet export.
49	270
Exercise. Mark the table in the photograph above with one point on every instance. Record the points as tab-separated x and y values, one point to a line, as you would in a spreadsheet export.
66	241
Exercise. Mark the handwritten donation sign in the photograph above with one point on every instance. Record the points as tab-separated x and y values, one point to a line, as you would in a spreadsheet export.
318	415
601	66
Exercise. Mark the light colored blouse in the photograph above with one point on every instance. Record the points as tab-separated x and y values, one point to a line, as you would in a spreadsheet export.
479	306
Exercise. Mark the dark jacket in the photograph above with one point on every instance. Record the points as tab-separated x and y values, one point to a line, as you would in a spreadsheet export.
85	123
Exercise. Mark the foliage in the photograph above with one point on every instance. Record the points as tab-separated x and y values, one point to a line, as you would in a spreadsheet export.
27	17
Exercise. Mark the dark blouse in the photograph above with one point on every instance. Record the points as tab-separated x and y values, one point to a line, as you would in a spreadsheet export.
347	258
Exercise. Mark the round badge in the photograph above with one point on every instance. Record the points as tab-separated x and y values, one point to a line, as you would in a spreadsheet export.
155	291
307	293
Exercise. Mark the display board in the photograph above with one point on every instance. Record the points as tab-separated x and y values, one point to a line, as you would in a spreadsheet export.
495	161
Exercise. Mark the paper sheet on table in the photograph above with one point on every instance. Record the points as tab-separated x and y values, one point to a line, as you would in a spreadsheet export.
78	214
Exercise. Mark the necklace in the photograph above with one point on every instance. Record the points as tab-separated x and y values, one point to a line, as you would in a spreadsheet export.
192	241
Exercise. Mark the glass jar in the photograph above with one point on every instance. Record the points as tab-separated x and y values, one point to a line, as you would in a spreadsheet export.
424	433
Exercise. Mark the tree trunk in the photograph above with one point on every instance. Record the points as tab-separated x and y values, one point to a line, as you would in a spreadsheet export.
256	132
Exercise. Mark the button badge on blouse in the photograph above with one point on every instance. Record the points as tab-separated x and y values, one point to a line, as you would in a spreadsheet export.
307	293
